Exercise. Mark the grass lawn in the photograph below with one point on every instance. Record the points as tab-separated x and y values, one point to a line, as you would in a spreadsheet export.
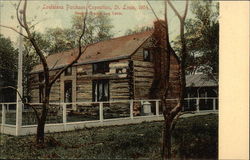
193	137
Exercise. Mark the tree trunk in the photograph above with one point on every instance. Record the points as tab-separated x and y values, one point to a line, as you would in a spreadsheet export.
42	119
167	140
40	133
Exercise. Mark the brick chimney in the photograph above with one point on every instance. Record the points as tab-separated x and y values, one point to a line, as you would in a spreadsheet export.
159	33
160	42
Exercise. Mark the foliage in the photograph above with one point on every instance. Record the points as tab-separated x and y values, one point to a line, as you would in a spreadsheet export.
8	69
194	137
56	40
138	30
202	34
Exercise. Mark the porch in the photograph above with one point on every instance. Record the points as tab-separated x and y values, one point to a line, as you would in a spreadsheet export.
72	116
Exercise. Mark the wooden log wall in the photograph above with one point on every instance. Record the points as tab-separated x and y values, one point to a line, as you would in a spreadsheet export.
119	81
143	78
143	72
34	89
120	87
55	89
83	83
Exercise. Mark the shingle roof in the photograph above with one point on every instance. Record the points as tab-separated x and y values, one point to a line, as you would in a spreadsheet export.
201	80
113	49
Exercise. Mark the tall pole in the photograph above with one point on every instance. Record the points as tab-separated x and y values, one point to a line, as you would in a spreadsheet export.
1	96
19	104
1	5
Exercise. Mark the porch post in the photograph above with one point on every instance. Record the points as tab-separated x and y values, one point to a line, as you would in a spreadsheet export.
214	104
188	100
157	107
64	115
3	117
19	106
131	109
101	111
19	103
197	104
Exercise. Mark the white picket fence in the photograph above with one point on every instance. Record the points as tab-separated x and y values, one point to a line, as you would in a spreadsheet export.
21	121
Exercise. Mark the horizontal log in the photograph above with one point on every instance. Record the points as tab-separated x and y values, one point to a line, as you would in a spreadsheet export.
143	74
119	94
143	79
119	81
84	85
83	95
124	89
122	85
120	97
118	65
143	64
146	85
143	69
80	99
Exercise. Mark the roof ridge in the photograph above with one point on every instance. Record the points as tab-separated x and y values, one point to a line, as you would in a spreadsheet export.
101	41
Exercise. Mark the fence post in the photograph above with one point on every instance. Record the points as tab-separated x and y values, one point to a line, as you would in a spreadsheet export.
101	111
3	117
64	115
131	109
19	107
197	104
157	107
214	104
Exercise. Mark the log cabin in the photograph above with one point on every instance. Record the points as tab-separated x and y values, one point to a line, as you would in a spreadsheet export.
117	69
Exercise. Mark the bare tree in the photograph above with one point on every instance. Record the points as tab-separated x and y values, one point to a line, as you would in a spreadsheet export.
171	113
49	80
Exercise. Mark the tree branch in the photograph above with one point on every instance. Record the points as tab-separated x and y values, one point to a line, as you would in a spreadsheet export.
55	63
35	110
163	25
17	14
14	30
22	99
174	9
34	44
80	52
14	88
186	9
58	74
178	116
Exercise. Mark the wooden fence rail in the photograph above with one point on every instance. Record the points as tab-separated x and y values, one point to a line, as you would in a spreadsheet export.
11	123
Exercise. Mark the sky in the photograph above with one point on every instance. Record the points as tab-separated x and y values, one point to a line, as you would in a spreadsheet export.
124	14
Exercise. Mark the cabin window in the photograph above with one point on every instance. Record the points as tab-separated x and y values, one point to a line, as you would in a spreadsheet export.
41	87
146	55
68	71
101	67
100	90
68	91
